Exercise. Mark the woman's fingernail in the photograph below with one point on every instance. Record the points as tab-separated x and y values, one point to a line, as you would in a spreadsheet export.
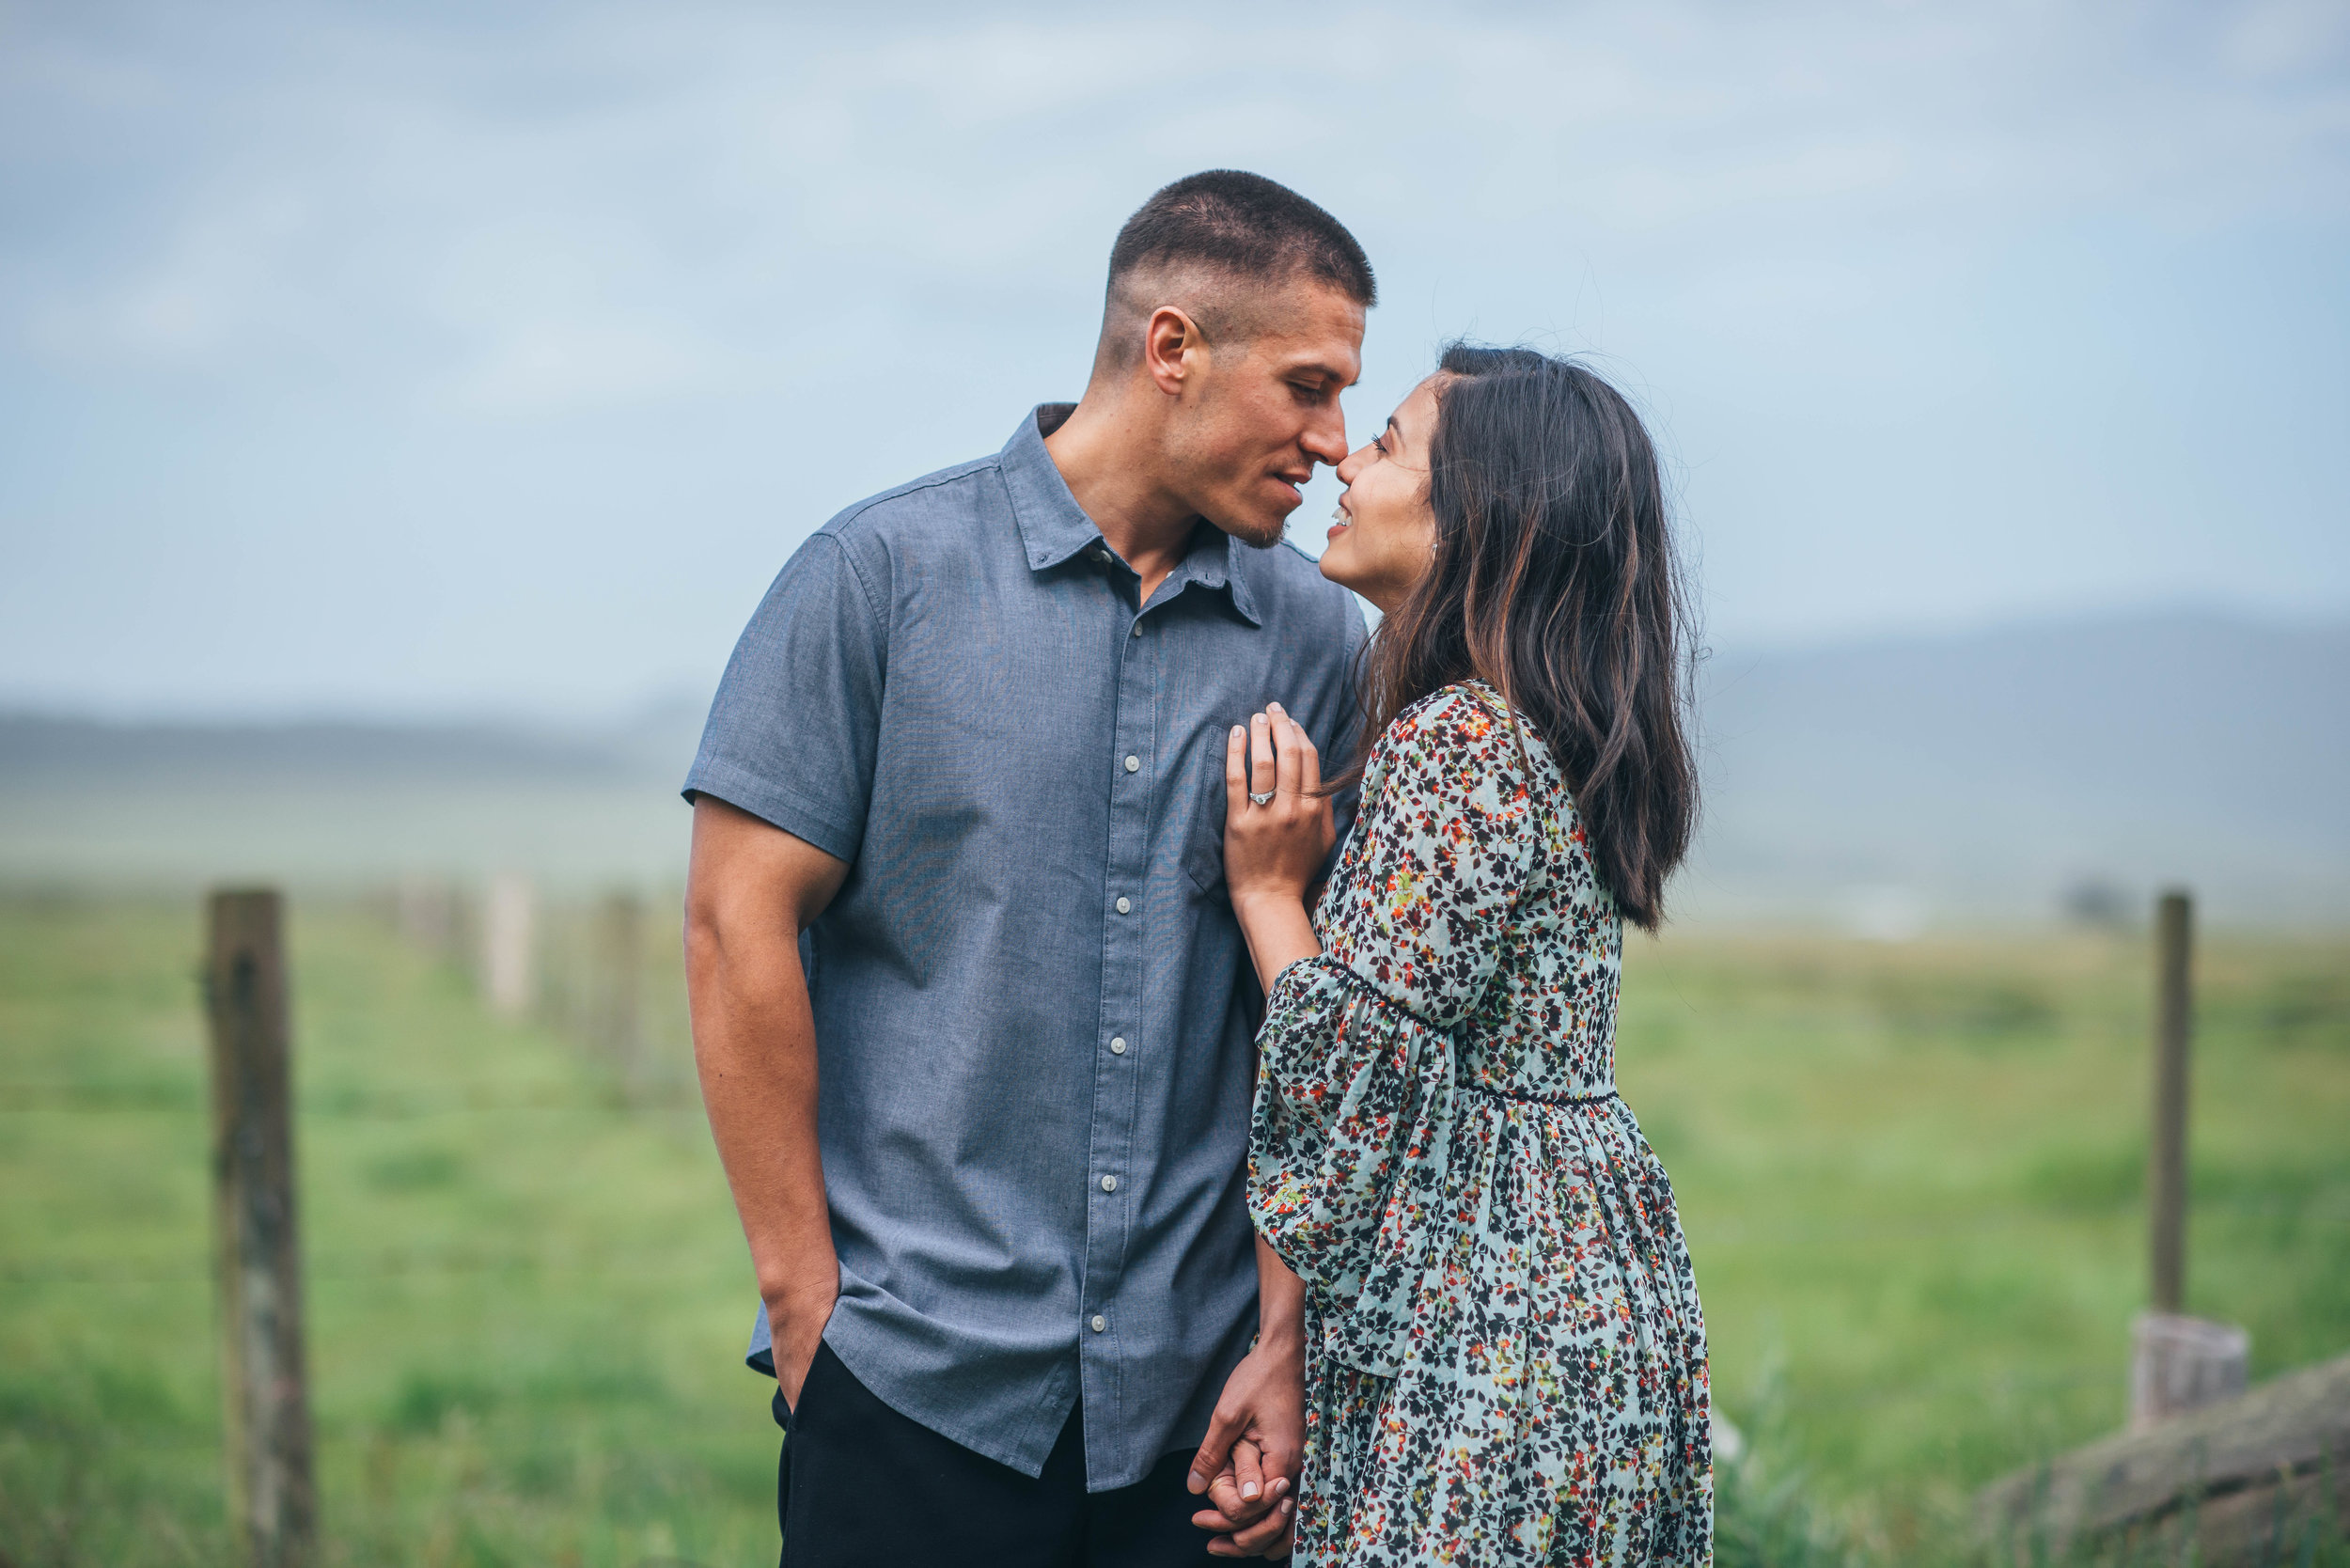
1239	730
1248	1490
1286	1507
1272	707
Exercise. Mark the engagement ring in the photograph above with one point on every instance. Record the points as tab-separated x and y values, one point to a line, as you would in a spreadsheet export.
1256	799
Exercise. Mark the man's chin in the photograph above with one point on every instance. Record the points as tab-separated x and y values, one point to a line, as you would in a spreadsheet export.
1258	533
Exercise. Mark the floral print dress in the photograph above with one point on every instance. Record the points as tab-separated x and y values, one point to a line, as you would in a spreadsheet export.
1505	1358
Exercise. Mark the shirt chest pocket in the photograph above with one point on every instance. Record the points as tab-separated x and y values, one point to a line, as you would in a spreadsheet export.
1202	795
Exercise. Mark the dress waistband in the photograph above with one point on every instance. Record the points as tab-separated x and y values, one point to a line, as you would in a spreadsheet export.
1524	1097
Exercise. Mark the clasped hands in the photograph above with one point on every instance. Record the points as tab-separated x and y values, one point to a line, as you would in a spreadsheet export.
1247	1465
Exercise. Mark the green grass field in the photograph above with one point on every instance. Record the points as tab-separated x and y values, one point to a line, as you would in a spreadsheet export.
1910	1177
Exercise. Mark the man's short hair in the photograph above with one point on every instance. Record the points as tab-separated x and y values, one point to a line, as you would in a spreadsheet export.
1244	224
1235	237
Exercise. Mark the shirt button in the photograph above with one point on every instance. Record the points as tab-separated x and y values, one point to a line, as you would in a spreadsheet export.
1125	906
1138	631
1133	763
1109	1184
1118	1046
1100	1323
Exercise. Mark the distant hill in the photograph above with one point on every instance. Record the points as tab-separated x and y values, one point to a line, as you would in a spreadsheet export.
1992	774
39	751
342	802
1884	786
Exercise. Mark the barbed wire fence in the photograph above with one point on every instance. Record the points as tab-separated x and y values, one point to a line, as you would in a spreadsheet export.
600	971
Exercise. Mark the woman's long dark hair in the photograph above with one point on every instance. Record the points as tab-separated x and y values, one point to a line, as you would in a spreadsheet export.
1555	582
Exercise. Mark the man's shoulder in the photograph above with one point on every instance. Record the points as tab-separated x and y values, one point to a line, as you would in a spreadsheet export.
944	498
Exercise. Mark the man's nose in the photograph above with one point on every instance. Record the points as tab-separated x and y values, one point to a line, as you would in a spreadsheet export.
1326	438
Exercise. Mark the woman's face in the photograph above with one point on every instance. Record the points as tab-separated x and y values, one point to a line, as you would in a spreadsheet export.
1385	535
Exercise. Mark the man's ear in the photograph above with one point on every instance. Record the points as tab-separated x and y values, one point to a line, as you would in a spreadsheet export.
1171	346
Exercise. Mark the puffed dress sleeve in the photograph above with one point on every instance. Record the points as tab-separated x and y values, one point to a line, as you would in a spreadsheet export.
1356	1055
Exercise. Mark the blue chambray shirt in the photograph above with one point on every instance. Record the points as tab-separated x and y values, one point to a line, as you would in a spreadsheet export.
1034	1010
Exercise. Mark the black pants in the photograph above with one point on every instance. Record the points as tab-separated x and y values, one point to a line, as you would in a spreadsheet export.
862	1484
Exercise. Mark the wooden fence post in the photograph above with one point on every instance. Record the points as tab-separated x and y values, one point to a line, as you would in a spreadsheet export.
266	1402
510	945
2166	1173
2177	1363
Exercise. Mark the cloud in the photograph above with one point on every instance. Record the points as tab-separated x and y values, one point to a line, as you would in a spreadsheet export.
484	281
700	167
2286	38
548	367
211	293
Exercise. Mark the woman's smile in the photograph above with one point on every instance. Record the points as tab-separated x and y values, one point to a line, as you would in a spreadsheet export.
1383	531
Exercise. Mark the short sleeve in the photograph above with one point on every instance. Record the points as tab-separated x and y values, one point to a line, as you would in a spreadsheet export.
794	729
1420	906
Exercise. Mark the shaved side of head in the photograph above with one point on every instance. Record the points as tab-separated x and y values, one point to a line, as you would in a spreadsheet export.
1222	246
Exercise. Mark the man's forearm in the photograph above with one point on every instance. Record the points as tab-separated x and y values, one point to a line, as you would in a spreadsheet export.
752	891
755	1048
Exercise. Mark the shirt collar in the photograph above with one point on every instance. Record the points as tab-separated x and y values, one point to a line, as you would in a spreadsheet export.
1213	562
1054	528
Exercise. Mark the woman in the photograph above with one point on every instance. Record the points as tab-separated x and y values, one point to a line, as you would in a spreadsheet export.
1505	1358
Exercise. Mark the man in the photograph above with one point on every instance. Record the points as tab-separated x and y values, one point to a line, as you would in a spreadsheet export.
970	1008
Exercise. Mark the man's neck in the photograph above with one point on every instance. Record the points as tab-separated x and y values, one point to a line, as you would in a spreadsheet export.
1107	456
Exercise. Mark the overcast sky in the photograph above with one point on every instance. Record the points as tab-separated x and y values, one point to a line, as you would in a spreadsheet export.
396	359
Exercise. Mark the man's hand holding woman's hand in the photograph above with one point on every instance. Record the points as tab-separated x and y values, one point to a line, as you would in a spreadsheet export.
1247	1465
